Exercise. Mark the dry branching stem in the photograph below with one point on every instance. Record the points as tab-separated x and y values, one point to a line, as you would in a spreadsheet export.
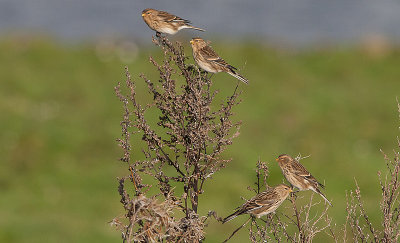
189	137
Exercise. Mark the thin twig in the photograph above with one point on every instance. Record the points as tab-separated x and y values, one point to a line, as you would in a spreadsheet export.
236	230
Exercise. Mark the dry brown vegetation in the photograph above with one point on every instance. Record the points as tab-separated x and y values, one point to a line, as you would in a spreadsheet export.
185	154
360	226
183	151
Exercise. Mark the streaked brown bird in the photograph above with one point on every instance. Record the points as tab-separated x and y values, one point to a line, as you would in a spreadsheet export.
263	203
210	61
166	23
298	176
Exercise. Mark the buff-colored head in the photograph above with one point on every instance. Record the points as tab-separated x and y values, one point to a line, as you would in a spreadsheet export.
148	14
198	43
284	159
283	190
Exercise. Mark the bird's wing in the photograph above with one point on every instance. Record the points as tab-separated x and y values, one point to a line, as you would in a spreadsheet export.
266	198
248	206
245	208
300	170
209	54
171	18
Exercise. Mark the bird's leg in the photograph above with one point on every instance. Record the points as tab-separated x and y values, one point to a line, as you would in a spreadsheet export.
293	195
294	189
161	38
269	218
205	73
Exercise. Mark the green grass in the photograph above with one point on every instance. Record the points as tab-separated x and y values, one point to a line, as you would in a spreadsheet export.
60	118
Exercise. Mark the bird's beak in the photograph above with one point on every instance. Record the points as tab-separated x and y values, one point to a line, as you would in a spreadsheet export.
277	159
290	190
191	41
143	14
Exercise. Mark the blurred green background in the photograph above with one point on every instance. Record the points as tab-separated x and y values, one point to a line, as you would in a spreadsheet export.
60	119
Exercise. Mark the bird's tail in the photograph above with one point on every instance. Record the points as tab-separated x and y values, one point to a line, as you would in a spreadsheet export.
323	196
192	27
235	74
232	216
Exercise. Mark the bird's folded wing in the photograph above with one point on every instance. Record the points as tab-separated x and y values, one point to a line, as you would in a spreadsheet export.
266	198
209	54
301	171
249	206
263	199
171	18
222	63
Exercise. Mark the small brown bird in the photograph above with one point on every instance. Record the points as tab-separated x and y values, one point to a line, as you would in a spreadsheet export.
209	60
298	176
263	203
163	22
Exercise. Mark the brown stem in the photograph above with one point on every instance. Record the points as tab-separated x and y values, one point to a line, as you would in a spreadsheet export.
236	230
296	212
195	188
175	165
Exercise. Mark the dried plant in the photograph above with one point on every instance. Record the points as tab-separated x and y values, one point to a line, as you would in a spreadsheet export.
182	150
293	224
307	220
290	224
358	220
361	227
149	220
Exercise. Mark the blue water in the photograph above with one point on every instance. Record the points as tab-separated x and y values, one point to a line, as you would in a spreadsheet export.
291	21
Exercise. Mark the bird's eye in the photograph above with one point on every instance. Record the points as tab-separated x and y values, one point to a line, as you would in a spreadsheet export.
148	13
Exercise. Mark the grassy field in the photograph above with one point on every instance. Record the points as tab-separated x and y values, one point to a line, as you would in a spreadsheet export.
60	119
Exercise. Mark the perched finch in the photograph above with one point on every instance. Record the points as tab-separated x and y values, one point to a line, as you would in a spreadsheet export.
209	60
263	203
164	22
298	176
